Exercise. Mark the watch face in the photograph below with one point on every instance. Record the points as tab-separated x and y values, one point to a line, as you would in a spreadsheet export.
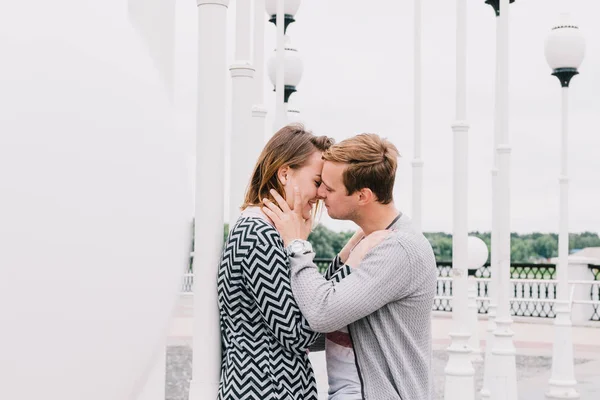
297	247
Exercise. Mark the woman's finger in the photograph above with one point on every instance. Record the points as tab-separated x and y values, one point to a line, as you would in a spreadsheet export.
274	217
297	201
280	200
273	208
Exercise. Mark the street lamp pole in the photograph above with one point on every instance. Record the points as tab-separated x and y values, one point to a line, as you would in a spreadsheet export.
478	255
489	364
282	15
565	48
280	113
417	163
503	383
244	149
259	112
459	384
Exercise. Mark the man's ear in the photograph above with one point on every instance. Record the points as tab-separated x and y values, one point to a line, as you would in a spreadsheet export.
366	196
282	174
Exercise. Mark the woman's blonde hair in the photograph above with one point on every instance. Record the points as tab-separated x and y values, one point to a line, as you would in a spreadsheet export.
371	163
291	146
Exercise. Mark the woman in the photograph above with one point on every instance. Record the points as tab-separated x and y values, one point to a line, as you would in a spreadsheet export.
264	335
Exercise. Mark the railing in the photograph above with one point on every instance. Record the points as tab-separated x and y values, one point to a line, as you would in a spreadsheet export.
187	285
595	292
533	288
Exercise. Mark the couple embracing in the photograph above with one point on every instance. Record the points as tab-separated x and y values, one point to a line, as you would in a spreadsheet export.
373	303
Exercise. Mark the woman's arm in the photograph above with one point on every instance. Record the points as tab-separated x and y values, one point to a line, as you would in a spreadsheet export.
267	276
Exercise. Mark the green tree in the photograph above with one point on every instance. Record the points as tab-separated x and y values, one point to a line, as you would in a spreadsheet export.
442	245
528	247
521	251
583	240
545	246
327	243
322	240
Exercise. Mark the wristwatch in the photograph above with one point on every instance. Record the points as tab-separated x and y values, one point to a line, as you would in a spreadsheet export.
298	246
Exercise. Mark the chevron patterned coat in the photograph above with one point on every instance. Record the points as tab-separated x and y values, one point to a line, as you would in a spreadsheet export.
264	335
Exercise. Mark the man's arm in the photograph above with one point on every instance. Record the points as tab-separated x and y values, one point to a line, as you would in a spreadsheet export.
384	275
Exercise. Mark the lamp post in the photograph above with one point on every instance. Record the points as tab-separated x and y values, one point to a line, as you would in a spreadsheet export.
459	383
282	14
244	148
290	9
565	49
417	163
210	148
489	365
503	380
478	255
259	111
293	68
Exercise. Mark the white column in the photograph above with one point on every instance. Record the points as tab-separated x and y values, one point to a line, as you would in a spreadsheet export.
579	270
503	384
155	21
209	209
474	341
243	144
280	113
562	382
155	387
489	364
417	163
459	384
259	111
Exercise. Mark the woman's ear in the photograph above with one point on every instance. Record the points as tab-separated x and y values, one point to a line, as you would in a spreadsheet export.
282	174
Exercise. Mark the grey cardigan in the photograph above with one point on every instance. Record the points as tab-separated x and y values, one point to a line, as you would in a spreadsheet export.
386	303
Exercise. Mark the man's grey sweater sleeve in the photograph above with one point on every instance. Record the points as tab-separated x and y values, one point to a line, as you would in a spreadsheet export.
384	275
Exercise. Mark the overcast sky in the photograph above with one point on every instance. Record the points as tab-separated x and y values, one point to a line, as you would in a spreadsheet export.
358	69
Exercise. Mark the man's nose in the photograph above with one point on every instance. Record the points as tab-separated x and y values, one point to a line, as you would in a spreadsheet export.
321	192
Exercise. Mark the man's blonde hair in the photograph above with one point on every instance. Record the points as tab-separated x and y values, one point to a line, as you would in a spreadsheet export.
371	163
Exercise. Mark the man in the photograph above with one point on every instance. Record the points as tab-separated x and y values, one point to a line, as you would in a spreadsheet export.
385	298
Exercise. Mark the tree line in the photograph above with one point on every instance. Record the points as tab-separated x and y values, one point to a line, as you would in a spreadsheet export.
525	248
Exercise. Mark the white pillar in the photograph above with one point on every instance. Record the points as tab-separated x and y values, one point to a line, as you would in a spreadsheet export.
417	163
243	144
155	21
562	382
579	270
474	341
503	384
155	387
209	209
293	113
259	112
489	364
459	384
280	119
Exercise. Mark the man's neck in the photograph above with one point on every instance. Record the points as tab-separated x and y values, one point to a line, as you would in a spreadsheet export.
377	217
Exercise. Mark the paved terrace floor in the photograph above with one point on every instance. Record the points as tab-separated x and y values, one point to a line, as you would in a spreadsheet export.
533	341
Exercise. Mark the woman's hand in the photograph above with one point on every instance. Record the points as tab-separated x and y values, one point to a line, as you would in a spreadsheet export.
345	253
290	223
366	245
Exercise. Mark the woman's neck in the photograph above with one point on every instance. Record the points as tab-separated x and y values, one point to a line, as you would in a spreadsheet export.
257	210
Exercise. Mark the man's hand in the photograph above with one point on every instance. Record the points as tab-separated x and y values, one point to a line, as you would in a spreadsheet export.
290	223
365	246
345	253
